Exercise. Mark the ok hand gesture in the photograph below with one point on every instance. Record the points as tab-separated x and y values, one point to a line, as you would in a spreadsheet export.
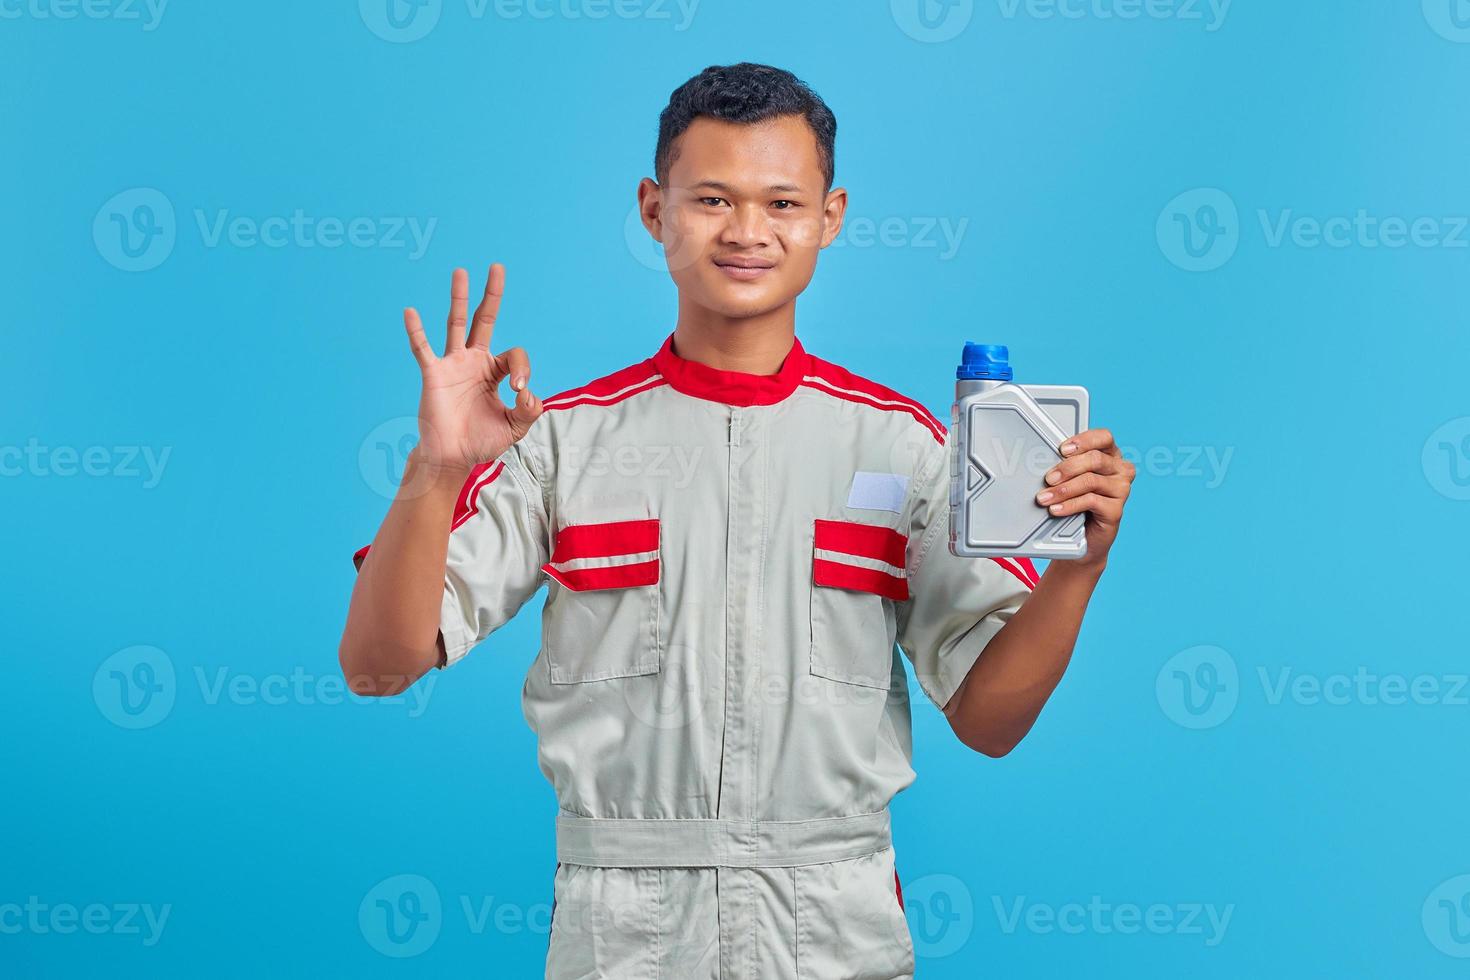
462	421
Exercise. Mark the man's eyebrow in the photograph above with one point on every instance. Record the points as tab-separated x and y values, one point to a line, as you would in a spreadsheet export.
727	189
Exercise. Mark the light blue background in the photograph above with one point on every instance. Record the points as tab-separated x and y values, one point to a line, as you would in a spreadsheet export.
1332	542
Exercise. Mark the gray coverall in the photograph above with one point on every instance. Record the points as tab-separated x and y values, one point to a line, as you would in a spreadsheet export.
718	698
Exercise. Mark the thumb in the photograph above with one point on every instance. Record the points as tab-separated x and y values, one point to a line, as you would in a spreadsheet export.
527	409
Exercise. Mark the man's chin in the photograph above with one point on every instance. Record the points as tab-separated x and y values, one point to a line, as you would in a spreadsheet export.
754	303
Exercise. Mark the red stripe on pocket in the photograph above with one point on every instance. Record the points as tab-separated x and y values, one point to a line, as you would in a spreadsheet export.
864	540
606	577
605	540
838	575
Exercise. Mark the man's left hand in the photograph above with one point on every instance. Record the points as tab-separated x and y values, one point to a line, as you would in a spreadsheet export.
1093	477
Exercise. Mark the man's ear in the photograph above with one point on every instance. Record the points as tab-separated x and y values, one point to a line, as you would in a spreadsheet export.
650	207
832	214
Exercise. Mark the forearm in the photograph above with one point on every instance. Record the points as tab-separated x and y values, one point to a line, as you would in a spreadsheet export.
1006	688
391	636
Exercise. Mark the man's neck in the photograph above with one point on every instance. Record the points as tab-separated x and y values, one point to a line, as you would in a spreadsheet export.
752	345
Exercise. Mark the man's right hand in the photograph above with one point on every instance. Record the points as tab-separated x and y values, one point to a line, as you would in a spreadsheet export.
392	633
462	421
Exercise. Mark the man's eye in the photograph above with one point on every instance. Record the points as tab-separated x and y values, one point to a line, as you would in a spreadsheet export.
713	202
788	205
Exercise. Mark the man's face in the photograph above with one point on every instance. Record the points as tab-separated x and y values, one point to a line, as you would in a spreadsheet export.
743	214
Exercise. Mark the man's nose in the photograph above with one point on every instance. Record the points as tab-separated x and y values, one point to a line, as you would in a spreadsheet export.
747	227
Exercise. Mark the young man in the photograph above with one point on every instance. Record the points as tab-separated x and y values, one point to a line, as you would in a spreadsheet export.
733	533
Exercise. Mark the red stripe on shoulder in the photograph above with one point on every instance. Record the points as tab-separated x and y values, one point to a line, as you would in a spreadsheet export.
480	477
842	383
610	388
1030	571
465	506
1026	573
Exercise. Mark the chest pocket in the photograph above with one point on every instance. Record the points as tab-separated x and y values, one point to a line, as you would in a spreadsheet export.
602	617
858	572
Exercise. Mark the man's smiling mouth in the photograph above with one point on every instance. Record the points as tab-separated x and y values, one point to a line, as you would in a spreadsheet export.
744	268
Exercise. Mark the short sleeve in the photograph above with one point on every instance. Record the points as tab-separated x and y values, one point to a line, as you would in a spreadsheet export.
955	605
497	545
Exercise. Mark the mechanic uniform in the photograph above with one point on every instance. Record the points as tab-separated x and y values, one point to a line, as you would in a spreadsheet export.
720	706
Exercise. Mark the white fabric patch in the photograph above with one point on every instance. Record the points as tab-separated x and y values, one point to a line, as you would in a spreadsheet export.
878	491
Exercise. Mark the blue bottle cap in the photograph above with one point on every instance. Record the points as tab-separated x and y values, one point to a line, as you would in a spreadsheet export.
988	362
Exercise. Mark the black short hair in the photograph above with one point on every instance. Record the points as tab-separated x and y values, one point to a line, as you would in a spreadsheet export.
744	93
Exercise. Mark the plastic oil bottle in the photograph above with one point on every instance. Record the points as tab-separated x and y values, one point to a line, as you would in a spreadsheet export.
1006	437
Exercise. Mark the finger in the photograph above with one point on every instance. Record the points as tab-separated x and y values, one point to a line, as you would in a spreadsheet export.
1105	486
459	305
1107	508
1087	439
422	352
516	363
489	307
527	409
1092	461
